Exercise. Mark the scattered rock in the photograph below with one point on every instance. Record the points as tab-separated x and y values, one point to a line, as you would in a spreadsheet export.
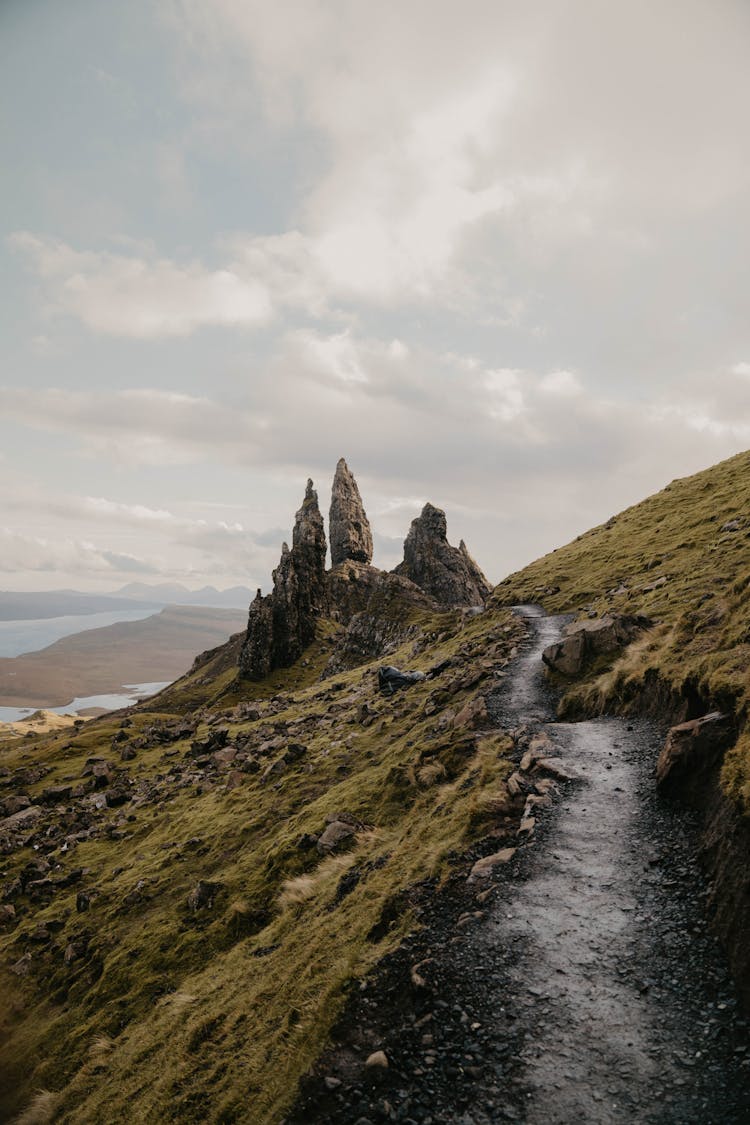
484	868
473	714
378	1059
334	835
390	679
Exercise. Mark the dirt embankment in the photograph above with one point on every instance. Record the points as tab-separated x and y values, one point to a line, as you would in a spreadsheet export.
725	832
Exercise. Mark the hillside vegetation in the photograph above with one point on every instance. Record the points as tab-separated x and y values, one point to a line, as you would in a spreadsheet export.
174	941
681	557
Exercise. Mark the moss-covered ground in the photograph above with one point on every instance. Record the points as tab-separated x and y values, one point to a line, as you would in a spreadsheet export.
681	557
125	1003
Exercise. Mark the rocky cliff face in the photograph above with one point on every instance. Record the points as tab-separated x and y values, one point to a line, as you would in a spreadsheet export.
448	574
348	526
281	625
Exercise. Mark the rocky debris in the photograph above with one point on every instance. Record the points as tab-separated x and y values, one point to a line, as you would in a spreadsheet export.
348	527
584	641
21	820
449	574
390	679
689	762
473	714
202	895
15	803
483	868
282	625
340	826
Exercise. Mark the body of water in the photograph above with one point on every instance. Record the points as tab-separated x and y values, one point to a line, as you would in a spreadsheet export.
17	637
111	702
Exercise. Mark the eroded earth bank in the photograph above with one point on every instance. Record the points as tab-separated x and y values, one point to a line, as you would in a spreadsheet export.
579	983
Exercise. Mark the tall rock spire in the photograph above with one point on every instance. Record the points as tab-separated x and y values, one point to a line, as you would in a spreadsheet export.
348	525
448	573
281	625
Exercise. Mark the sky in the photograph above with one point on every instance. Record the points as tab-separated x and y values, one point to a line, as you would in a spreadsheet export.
494	253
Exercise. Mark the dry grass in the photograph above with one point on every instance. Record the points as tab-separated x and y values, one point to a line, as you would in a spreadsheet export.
41	1109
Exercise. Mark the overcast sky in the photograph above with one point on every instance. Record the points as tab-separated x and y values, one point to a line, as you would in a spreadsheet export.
493	253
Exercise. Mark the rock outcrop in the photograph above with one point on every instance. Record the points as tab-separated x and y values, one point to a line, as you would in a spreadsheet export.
377	609
689	762
449	574
585	641
348	527
281	625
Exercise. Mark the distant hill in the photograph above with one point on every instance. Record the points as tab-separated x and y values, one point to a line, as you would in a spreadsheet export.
37	605
174	593
97	661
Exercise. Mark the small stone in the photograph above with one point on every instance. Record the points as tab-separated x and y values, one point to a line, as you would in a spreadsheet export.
377	1060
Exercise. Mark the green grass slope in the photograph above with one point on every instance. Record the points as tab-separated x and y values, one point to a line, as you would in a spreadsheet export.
682	557
134	1003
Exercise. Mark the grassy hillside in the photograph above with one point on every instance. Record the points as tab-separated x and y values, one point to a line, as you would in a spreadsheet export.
682	557
97	661
180	954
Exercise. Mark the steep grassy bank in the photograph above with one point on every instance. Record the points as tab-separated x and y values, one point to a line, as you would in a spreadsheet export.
178	946
681	557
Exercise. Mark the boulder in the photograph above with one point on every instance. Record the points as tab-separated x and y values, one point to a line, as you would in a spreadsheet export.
334	836
691	757
584	641
24	818
348	526
390	679
449	574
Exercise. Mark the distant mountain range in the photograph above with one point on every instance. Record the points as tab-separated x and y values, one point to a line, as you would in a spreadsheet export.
36	605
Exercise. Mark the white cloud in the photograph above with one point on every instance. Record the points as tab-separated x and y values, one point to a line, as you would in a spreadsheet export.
742	369
20	553
563	383
506	400
132	296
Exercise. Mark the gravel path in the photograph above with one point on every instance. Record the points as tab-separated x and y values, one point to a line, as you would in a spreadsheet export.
590	991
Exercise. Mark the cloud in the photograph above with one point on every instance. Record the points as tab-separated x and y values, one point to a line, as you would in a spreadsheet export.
125	295
20	553
140	425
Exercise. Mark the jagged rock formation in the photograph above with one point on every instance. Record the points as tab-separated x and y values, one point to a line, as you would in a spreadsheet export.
348	526
448	574
377	609
281	625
